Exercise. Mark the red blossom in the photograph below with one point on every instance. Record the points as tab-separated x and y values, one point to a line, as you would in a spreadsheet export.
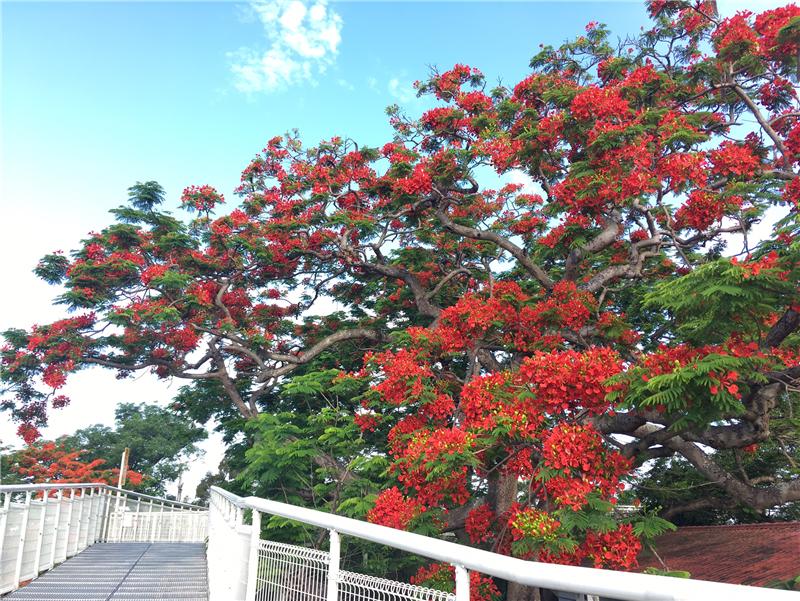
394	510
617	549
202	199
478	524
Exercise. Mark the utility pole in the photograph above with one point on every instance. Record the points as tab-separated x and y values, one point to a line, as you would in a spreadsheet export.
123	468
123	474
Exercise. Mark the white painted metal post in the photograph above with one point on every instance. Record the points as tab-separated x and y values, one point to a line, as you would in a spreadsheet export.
252	561
107	517
333	566
70	513
161	521
40	533
136	518
151	525
89	517
123	468
59	497
80	522
462	583
22	530
173	521
98	513
4	519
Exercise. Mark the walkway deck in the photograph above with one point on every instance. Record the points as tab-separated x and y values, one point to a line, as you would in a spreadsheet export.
131	571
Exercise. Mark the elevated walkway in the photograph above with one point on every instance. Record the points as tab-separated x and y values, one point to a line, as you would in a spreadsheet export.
130	571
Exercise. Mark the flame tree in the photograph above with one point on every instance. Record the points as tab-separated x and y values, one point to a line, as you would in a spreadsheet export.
526	346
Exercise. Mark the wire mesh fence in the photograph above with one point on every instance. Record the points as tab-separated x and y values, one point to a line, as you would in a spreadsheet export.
293	573
360	587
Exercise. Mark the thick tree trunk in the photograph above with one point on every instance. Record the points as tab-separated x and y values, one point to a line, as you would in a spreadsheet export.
502	494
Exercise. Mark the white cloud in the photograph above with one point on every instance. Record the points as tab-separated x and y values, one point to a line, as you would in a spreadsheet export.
343	83
517	176
400	91
303	39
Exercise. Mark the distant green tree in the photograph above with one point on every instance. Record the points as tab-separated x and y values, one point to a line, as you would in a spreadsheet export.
7	475
161	442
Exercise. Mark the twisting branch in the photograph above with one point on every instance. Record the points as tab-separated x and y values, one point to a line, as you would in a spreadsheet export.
518	253
754	496
228	384
765	125
293	361
603	240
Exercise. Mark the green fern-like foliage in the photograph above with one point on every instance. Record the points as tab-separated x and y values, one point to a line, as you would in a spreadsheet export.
692	392
722	297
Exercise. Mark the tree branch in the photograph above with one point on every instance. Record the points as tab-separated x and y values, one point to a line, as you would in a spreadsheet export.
293	361
518	253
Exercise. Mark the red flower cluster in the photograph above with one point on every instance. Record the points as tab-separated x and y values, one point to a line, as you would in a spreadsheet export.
567	381
731	160
202	199
734	36
533	523
585	463
478	524
153	272
442	577
394	510
702	209
617	549
769	25
50	462
602	104
428	451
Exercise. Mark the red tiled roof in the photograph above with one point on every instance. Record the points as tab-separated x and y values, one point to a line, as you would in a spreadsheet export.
754	554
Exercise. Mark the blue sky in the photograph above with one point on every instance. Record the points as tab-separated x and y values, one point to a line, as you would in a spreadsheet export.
96	96
110	93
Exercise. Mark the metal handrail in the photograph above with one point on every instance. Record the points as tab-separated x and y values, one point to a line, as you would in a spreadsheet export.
608	583
33	487
11	488
240	502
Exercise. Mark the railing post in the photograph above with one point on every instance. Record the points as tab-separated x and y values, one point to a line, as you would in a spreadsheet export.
137	518
252	561
80	521
22	531
89	518
70	513
4	521
98	515
37	559
173	523
59	497
151	536
106	516
333	566
462	583
160	521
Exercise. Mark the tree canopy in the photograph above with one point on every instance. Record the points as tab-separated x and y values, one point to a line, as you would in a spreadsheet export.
46	461
512	351
161	442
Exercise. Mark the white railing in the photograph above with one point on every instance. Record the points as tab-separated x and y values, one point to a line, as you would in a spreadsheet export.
243	567
41	525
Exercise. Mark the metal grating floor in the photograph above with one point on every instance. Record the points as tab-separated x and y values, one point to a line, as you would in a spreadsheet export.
130	571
